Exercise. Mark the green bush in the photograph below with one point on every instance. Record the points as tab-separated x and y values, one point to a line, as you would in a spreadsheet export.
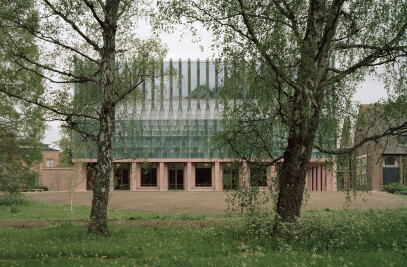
13	199
394	187
402	192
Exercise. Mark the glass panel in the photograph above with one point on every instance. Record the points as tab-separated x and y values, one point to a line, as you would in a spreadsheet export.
175	79
149	175
258	176
390	161
166	80
121	176
203	174
193	79
230	176
175	179
211	80
184	70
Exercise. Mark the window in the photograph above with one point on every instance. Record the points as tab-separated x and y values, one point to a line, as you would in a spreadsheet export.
230	176
390	161
203	174
258	176
149	175
50	163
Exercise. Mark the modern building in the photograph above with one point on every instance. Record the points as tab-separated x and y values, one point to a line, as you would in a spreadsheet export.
163	143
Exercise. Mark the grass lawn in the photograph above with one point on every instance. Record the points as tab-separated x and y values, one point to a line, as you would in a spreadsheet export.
324	238
35	210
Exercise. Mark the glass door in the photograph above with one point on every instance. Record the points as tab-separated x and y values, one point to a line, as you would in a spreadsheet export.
175	176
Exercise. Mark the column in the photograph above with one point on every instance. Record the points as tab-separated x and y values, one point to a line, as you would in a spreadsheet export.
82	178
218	177
244	176
112	178
329	182
133	175
314	178
272	177
188	176
334	180
138	175
318	169
162	177
308	179
323	178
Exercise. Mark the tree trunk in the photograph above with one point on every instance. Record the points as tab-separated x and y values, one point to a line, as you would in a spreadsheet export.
304	121
98	216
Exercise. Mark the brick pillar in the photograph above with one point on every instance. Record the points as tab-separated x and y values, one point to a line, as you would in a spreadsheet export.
192	175
112	178
308	179
272	177
334	180
188	176
132	181
162	176
323	178
329	182
218	179
244	176
318	170
82	178
314	179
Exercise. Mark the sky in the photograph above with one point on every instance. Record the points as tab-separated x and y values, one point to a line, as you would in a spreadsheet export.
183	47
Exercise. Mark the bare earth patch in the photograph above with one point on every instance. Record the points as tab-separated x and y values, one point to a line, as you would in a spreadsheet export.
201	203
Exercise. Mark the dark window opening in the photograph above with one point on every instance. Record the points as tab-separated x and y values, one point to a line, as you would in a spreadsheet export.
149	175
390	161
122	176
203	174
230	176
258	176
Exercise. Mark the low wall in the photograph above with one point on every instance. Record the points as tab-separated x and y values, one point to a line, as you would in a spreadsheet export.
62	179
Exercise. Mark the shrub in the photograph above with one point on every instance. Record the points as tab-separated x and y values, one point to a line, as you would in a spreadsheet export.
394	187
402	192
13	199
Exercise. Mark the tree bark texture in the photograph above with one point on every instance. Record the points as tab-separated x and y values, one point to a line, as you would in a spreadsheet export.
304	121
98	216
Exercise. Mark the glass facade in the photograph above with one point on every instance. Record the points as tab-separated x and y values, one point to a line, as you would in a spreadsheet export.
175	115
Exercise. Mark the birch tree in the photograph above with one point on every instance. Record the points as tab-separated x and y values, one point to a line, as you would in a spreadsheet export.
90	43
304	60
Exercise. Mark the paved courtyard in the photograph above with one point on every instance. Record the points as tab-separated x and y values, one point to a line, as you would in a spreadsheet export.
197	203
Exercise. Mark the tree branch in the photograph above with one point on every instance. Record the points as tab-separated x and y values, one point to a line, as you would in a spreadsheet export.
73	25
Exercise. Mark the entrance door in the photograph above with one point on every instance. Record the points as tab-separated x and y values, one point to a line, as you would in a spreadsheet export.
175	176
390	175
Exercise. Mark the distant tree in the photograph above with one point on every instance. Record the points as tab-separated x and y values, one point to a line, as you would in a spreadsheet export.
21	124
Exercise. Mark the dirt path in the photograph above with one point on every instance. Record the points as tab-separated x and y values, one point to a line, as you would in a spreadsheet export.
200	203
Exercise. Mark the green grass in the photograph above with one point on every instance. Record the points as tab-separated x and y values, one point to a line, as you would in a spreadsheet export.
35	210
324	238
